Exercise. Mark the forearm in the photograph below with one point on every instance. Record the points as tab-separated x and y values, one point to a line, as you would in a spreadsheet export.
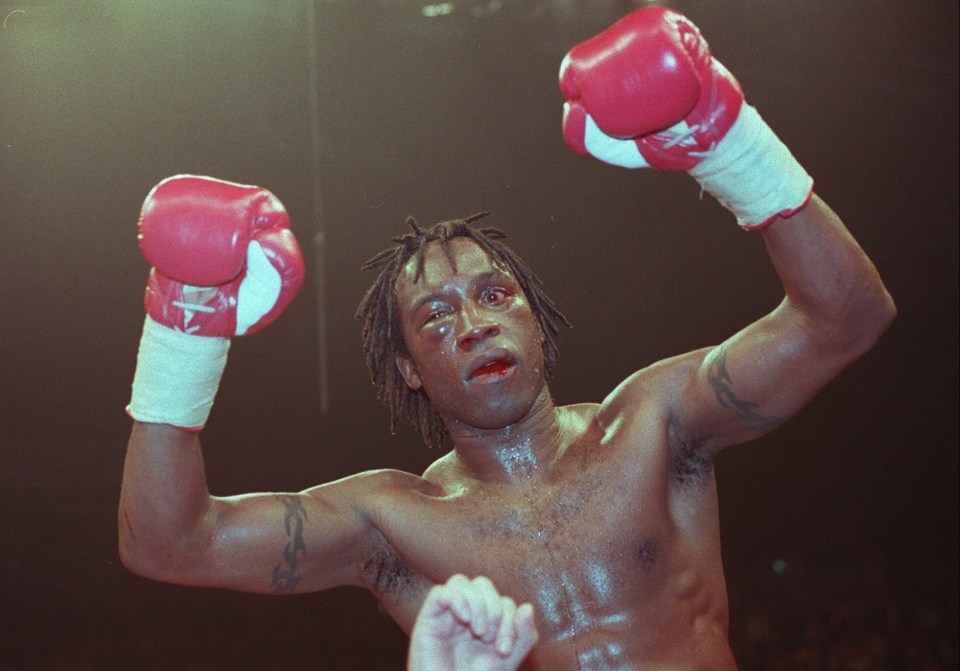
164	502
830	284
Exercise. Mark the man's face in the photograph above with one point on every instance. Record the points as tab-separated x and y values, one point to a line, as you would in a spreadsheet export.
474	344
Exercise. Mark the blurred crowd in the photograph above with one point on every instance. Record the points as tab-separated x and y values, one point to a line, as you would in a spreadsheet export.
852	622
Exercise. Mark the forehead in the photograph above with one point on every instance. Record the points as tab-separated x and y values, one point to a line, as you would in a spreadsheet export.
469	257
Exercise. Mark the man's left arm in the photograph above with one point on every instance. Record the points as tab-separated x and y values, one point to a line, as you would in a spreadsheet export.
835	309
647	93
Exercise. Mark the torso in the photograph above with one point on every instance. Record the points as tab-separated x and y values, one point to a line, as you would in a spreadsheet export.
616	545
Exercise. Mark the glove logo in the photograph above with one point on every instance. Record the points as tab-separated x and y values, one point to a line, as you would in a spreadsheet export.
192	303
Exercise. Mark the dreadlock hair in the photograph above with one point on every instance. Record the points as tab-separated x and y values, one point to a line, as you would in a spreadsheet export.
380	315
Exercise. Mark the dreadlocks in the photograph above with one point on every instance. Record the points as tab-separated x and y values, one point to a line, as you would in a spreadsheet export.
381	332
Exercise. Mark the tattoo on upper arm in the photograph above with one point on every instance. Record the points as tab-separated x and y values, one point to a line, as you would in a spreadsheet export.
746	410
286	574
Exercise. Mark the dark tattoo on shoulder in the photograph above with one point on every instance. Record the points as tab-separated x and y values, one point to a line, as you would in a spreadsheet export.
721	381
286	574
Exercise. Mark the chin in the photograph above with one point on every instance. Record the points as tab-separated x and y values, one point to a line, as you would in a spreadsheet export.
505	410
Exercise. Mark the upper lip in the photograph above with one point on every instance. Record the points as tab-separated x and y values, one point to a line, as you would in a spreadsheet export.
490	356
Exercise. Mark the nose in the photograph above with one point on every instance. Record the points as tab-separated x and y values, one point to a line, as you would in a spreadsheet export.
475	327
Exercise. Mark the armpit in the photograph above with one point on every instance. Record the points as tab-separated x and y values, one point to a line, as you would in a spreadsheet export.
385	572
690	463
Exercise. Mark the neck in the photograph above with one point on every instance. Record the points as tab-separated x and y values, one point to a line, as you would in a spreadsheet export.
519	450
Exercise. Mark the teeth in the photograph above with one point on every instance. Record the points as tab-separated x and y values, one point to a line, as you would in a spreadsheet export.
493	366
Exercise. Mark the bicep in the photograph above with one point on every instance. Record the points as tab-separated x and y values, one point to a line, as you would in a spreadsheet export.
285	542
753	382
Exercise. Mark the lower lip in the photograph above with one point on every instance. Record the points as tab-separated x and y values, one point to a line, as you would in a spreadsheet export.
493	373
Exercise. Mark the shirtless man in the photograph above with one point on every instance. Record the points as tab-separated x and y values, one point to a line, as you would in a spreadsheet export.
603	515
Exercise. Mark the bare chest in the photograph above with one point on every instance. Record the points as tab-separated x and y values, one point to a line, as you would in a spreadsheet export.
587	515
583	546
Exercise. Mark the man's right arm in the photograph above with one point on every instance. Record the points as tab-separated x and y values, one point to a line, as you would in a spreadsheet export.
172	530
224	264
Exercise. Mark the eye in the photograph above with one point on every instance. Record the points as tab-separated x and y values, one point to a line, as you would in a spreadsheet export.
495	295
437	313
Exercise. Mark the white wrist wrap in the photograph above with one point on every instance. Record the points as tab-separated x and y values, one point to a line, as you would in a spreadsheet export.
177	376
753	174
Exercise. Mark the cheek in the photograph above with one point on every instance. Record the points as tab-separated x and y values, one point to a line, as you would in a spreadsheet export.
427	341
442	333
437	367
527	325
435	334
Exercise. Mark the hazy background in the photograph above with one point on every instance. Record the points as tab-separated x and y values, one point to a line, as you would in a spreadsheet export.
441	116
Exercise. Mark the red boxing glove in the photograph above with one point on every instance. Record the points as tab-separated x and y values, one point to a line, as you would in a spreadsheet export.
224	259
224	263
640	78
647	93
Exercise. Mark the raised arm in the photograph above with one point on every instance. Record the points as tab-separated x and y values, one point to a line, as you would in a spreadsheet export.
835	309
648	93
224	264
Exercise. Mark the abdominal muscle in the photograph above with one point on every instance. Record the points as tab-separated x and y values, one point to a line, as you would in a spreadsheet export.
599	618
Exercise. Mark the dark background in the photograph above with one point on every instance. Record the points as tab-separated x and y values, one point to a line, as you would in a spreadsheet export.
440	117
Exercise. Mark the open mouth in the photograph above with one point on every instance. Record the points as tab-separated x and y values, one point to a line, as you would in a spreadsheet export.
494	368
498	367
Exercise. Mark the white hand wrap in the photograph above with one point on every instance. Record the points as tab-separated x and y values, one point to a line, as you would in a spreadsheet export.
177	377
753	174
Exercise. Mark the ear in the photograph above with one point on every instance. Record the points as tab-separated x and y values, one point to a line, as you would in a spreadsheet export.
408	370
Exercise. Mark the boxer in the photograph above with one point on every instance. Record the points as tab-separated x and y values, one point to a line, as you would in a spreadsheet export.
601	515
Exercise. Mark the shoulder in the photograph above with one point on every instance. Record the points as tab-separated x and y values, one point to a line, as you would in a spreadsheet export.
363	491
371	510
578	418
651	389
441	470
642	414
